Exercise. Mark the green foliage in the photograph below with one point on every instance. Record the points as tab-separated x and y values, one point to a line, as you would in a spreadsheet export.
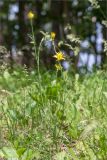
105	47
53	117
20	154
94	3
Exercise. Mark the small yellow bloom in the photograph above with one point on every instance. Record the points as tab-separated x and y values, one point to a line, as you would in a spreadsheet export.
53	34
58	67
59	56
30	15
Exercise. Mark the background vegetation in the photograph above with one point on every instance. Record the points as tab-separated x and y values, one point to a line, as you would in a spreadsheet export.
66	18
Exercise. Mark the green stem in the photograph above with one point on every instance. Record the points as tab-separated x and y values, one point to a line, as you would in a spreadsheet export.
54	46
6	118
34	42
103	13
38	55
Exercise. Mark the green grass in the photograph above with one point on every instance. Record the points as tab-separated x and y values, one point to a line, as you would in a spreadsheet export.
53	118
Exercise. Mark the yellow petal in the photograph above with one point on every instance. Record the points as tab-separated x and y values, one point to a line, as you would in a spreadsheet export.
30	15
53	34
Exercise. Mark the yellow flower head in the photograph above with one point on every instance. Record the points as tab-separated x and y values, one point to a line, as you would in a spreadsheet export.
59	56
30	15
58	67
53	34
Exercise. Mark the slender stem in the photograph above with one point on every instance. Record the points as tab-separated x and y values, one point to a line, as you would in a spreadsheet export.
54	46
38	55
9	127
103	13
33	38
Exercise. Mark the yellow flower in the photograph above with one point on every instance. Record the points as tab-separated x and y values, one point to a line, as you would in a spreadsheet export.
58	67
53	34
30	15
59	56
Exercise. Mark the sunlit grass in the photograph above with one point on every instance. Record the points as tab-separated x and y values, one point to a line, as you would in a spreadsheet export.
53	117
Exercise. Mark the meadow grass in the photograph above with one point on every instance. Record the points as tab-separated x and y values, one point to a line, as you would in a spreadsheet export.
53	117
